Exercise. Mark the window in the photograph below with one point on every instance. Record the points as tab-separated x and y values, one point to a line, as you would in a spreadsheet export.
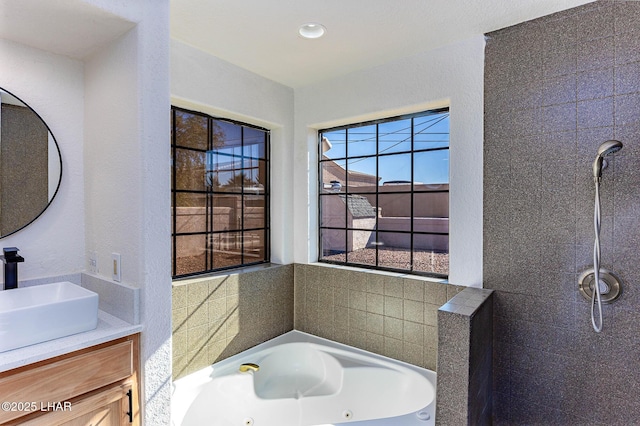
384	194
220	193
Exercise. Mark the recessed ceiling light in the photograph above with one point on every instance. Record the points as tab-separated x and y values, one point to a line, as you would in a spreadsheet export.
312	30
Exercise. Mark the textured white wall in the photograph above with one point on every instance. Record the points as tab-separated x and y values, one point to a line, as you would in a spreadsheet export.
450	76
155	221
208	84
127	179
53	86
110	114
113	177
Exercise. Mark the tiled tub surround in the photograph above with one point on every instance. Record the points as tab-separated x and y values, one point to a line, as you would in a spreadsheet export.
216	317
556	88
389	314
465	379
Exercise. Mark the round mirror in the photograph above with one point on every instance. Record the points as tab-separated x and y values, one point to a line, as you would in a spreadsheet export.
30	164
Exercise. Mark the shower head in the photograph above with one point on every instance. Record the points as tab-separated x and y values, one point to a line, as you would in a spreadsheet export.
606	148
609	147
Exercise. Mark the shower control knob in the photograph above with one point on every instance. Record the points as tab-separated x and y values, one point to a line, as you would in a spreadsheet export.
604	287
610	285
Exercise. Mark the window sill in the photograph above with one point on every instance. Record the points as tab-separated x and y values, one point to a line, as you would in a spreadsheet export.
225	273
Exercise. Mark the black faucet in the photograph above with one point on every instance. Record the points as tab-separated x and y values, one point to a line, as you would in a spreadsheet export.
11	258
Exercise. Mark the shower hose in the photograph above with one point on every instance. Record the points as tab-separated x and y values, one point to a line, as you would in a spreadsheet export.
595	297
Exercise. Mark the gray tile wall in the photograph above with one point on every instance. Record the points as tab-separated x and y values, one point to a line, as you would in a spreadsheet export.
465	342
389	314
215	318
555	88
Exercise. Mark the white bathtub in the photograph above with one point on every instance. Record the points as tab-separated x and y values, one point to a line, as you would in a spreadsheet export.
306	380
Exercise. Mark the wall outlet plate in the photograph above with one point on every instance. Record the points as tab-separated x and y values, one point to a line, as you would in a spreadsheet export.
116	269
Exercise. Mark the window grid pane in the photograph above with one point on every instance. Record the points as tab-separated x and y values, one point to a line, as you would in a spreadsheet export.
220	194
384	194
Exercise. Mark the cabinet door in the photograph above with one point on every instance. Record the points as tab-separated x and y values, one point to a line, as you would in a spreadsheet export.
105	407
68	377
109	415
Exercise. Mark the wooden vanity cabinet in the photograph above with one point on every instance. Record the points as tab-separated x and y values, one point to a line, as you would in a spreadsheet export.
93	386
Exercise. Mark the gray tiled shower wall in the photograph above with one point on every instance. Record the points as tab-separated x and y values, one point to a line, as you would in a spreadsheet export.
555	89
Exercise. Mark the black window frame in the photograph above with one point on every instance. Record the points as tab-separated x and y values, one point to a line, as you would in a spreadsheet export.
210	194
346	158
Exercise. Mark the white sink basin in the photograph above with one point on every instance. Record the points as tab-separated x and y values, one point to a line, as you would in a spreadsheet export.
36	314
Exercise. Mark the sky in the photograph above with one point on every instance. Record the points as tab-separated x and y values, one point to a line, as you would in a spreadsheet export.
430	136
430	166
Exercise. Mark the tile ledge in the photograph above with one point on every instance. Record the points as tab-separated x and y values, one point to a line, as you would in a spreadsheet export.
229	272
379	272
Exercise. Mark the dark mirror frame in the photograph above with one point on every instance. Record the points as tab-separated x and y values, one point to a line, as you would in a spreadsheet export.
55	141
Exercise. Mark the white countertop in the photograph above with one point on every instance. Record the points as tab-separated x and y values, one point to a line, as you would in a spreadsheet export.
109	328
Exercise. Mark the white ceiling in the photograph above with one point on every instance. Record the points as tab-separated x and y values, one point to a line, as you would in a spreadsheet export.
71	28
261	35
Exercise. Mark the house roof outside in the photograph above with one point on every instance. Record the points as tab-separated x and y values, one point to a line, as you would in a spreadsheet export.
358	206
